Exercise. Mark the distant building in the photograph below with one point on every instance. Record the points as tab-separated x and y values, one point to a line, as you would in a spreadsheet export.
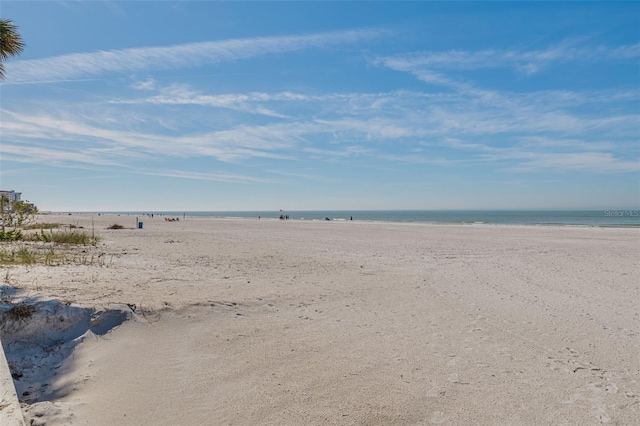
12	196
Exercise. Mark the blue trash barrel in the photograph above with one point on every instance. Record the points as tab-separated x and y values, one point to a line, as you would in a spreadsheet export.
139	225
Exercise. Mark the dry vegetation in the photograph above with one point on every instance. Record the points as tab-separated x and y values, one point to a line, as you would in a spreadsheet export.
21	311
55	246
50	255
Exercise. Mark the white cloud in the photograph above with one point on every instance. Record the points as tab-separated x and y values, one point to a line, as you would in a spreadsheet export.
566	144
598	162
79	65
470	125
423	64
626	52
57	157
184	95
216	177
228	145
148	84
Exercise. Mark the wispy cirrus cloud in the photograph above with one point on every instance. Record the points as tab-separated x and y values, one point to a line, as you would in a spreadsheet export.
180	94
104	143
475	125
214	177
82	65
428	64
565	144
392	104
534	154
71	158
265	103
598	162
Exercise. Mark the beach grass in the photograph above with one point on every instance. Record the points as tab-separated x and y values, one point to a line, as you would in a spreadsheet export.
20	256
13	235
60	247
42	226
74	237
71	237
49	256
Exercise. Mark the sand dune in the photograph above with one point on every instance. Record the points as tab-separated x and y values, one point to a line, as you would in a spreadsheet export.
290	322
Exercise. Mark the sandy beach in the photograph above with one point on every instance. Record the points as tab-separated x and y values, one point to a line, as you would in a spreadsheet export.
246	322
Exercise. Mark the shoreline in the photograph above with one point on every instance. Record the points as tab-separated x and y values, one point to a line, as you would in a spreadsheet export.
143	218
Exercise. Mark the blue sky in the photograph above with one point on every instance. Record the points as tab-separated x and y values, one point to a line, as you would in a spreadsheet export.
323	105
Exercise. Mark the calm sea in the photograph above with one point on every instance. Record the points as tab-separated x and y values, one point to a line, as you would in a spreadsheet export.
499	217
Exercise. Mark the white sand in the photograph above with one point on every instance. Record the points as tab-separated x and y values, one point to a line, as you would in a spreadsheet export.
287	323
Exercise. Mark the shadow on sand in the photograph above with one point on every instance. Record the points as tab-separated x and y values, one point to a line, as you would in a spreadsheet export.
39	335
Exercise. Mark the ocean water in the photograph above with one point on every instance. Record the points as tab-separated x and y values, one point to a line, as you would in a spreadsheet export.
498	217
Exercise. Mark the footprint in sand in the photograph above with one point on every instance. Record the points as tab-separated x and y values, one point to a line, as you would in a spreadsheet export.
598	412
437	418
436	391
599	389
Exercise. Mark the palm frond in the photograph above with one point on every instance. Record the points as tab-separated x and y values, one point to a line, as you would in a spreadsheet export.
11	43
